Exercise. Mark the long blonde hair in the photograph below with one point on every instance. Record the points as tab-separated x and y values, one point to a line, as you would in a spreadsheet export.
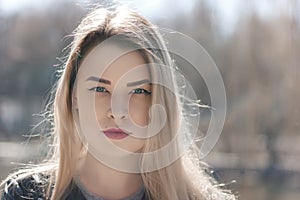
185	178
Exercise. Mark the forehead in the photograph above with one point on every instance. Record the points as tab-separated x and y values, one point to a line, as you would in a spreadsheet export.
112	61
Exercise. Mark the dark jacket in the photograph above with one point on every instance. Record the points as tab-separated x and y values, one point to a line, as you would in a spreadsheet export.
30	187
34	187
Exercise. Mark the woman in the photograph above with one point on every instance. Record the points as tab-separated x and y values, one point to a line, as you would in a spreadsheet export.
116	107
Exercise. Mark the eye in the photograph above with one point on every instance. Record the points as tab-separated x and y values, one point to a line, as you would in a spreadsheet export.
140	91
98	89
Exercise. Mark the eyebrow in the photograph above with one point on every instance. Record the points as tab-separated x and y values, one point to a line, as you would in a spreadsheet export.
100	80
131	84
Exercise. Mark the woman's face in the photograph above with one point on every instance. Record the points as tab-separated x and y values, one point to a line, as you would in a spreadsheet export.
113	98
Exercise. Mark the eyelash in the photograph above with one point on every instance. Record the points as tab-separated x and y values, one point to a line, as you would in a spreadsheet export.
96	89
142	91
134	91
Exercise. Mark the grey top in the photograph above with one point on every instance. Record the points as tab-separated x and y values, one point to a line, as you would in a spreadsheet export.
138	195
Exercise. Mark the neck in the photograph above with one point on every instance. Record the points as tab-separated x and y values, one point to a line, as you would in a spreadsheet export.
106	182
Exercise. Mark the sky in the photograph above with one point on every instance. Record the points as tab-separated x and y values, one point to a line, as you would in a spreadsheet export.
227	8
12	6
145	6
150	9
228	11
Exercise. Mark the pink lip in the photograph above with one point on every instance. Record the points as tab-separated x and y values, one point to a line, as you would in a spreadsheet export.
115	133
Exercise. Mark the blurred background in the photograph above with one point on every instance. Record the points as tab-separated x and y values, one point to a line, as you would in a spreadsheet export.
255	44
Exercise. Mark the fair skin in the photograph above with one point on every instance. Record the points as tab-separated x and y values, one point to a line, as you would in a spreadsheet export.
125	84
106	182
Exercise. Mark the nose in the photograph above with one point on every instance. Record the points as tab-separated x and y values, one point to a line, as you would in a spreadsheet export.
117	115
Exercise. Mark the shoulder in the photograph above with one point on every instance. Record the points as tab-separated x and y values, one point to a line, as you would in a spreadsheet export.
26	186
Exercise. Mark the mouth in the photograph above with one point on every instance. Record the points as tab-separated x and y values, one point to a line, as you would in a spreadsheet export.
115	133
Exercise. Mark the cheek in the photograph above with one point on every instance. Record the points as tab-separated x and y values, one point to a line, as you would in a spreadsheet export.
139	110
101	108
